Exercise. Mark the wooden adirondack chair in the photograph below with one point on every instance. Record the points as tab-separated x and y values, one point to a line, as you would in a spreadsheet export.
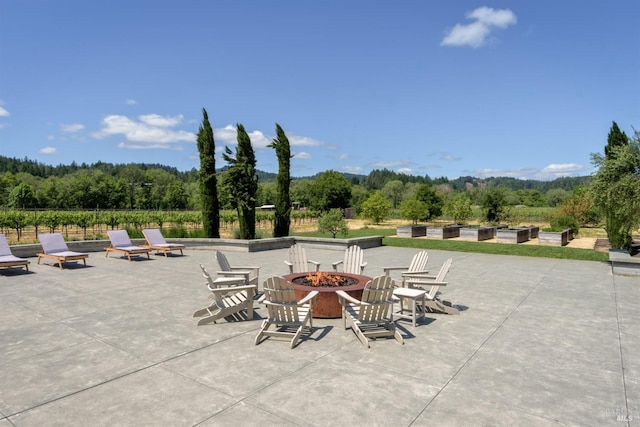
288	316
353	261
418	266
298	262
231	298
432	301
370	317
250	273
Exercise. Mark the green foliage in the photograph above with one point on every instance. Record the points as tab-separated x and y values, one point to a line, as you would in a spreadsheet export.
241	182
493	202
414	210
376	207
22	196
332	221
425	193
283	181
458	206
616	138
615	191
208	179
331	190
560	223
394	191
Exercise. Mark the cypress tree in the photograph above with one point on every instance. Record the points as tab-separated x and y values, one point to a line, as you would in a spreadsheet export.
242	183
616	138
208	180
283	182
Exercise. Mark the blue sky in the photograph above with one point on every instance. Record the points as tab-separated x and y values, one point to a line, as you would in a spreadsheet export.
526	89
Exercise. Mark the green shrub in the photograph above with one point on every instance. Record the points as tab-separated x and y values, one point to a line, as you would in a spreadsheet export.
563	222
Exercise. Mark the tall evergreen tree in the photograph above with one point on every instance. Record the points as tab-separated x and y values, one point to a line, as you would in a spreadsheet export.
616	138
242	183
283	182
208	180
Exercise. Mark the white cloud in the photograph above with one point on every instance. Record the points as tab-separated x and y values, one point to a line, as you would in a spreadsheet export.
476	33
406	171
343	156
48	150
152	131
302	141
228	135
351	169
161	121
443	155
131	102
4	112
302	155
76	127
388	164
547	173
147	146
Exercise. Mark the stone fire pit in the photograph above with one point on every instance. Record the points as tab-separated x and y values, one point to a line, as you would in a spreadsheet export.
327	305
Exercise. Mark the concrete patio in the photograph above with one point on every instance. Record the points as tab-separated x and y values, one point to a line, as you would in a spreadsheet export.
539	342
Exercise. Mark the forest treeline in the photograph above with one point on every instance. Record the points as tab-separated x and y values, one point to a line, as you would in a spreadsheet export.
26	183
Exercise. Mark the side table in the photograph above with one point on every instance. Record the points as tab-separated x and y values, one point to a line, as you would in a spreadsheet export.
413	297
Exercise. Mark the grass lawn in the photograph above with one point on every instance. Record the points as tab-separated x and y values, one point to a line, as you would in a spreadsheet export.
477	247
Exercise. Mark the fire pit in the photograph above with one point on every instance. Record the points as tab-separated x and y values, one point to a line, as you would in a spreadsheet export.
327	305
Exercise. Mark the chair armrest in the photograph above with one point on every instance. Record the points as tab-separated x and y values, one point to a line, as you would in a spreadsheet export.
422	274
317	264
336	264
427	283
387	270
342	295
362	266
417	276
244	273
252	268
310	296
234	289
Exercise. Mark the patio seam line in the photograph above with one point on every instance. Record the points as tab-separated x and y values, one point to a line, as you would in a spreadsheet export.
242	400
466	362
151	365
624	380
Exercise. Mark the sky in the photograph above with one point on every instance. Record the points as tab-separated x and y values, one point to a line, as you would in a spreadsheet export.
524	89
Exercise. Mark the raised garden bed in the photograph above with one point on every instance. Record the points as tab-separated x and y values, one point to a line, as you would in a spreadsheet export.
477	234
622	263
411	231
512	235
447	232
533	231
554	238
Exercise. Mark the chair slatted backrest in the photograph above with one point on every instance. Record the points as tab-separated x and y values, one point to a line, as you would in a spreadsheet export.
5	250
353	258
223	262
280	299
298	257
442	274
119	238
419	262
377	297
52	243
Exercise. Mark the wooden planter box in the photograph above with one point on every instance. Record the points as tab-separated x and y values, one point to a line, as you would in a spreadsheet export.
513	235
477	234
447	232
411	231
533	231
554	238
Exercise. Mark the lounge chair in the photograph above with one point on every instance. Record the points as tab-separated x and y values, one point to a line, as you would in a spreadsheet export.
7	259
120	242
371	316
288	316
54	247
352	262
298	262
432	300
418	266
250	273
156	242
231	298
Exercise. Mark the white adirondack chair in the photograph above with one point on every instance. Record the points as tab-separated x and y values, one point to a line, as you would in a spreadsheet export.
250	273
370	317
231	298
298	261
353	261
418	266
433	283
288	316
